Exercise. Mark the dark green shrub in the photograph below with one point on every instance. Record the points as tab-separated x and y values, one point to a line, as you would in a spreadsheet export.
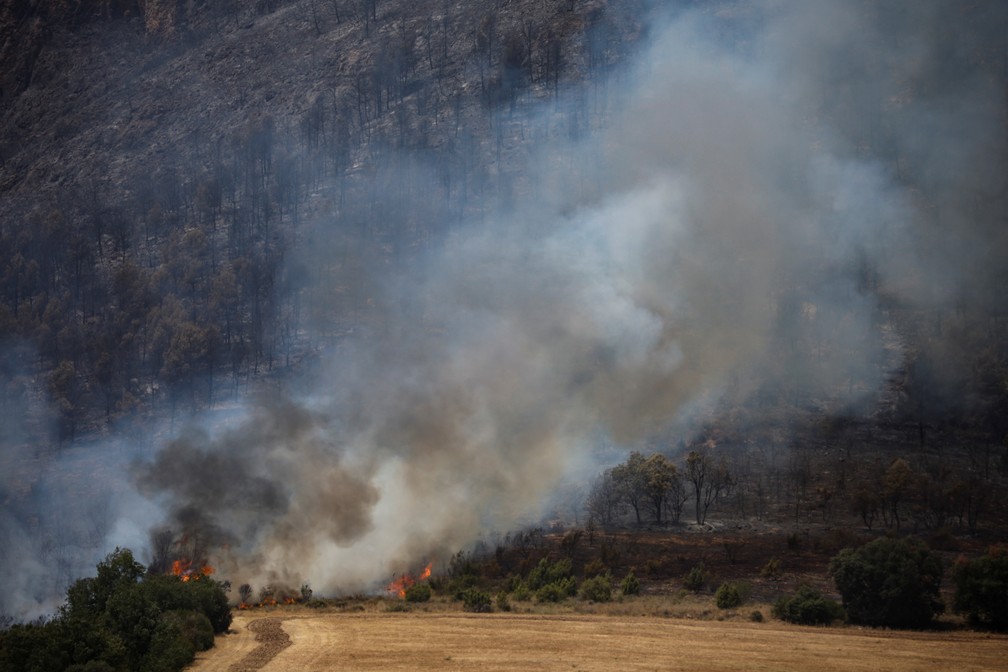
169	649
807	607
889	582
630	585
36	646
597	588
521	592
756	616
420	592
194	626
546	572
557	591
728	596
982	588
696	578
502	602
476	600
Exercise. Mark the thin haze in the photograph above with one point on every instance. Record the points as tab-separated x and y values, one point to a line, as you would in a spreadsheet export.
649	269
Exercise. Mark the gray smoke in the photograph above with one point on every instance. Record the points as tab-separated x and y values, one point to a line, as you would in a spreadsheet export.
735	195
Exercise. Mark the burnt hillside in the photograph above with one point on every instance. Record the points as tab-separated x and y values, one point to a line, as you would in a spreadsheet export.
161	161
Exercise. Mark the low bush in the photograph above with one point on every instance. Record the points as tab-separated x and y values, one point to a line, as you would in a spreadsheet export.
696	578
597	588
502	602
595	568
728	596
546	572
772	570
476	600
630	585
807	607
420	592
521	592
558	591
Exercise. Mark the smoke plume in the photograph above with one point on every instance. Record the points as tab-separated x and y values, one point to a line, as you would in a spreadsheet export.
731	198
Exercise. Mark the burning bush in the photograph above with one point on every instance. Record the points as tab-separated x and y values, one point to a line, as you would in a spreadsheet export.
244	594
401	585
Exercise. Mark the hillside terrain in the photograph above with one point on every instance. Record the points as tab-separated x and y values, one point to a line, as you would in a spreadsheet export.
306	264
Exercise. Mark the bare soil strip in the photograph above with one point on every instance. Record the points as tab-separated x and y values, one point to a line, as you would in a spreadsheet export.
272	640
425	641
237	651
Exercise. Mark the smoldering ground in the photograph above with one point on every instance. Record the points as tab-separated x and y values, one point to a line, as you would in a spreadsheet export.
731	201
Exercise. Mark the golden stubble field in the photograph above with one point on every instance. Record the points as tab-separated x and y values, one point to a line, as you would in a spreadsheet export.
308	641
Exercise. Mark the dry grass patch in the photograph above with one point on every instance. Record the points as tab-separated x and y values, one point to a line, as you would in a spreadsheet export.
427	640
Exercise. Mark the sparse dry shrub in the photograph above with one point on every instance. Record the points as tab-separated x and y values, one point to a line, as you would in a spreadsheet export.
696	578
594	568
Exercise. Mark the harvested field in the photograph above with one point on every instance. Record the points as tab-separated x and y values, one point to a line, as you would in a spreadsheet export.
458	641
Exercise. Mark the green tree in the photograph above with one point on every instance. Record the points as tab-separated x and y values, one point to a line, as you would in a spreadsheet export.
889	582
982	588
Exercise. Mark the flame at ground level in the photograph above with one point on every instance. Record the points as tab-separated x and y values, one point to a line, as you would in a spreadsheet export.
399	586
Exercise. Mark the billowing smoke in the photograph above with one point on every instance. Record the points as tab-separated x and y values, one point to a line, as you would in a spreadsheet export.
821	159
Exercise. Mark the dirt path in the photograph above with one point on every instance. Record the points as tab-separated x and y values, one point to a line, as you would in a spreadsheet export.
424	641
237	651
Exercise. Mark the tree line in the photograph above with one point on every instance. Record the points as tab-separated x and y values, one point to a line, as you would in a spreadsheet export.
910	493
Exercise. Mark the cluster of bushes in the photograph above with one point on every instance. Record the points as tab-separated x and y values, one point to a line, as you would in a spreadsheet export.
807	607
896	583
548	581
886	582
122	619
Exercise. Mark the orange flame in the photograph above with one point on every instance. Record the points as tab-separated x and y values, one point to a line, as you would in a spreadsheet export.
400	585
184	570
